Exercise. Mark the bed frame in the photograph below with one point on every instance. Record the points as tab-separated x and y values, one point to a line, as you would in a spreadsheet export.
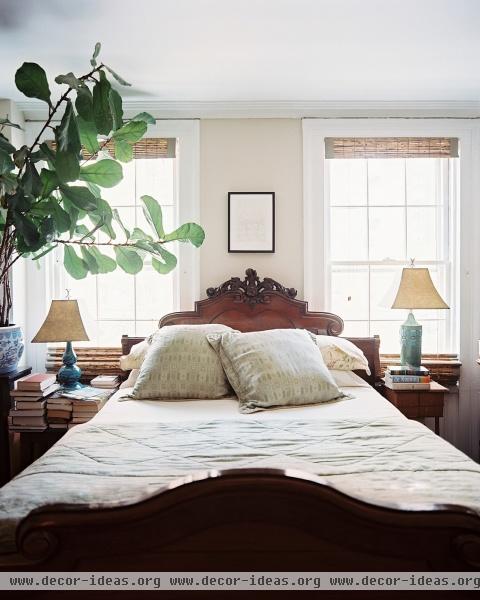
252	519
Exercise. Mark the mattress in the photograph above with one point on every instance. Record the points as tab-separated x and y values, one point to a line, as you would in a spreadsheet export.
361	445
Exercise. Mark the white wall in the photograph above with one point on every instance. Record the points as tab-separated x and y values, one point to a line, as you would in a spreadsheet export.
251	155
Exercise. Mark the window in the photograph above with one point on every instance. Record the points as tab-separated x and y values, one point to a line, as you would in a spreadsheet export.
380	213
116	303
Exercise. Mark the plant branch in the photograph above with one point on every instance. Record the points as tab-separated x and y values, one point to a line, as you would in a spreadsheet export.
109	244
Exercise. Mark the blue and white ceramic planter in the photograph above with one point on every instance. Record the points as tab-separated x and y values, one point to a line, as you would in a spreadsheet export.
11	347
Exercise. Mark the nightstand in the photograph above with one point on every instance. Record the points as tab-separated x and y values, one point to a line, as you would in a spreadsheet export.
418	404
7	381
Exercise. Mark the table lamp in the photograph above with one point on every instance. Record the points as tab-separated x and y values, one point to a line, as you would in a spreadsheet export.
64	324
416	290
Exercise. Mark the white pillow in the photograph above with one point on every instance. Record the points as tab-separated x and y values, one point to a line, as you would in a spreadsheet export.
134	359
131	379
340	354
348	379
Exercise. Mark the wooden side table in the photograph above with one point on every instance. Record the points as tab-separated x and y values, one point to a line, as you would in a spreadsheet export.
418	404
7	381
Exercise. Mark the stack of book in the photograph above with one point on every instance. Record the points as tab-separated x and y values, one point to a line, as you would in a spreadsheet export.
86	402
59	411
107	382
407	378
30	397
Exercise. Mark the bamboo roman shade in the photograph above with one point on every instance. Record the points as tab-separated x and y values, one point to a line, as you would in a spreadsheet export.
145	148
391	147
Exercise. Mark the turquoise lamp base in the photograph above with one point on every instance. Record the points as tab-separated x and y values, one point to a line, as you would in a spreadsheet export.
411	342
69	375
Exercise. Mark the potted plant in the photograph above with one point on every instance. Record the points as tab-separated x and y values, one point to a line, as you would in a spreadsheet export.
51	193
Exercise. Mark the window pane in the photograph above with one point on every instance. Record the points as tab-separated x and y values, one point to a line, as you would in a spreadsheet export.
155	177
144	328
355	329
387	234
110	332
386	182
424	230
168	213
348	182
423	181
116	295
348	234
389	332
154	293
350	292
384	282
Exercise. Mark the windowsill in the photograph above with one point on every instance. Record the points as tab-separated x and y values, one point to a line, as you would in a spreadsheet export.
444	368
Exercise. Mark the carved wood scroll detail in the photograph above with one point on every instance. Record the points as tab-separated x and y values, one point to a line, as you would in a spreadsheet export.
251	290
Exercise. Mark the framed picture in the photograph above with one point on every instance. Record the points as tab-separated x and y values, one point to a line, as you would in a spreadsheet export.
251	222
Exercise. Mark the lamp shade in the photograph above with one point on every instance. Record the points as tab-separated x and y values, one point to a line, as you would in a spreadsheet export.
416	290
63	324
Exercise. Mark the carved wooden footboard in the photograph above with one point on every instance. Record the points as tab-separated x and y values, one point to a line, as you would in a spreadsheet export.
251	520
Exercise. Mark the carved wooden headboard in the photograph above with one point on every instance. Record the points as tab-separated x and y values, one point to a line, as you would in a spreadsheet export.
252	304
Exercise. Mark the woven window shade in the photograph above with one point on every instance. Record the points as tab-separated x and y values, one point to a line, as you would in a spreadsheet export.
145	148
391	147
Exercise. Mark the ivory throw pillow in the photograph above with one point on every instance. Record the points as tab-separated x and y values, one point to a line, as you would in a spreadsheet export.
180	363
134	359
279	367
131	379
341	354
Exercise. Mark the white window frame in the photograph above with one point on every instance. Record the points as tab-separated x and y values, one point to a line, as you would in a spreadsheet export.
41	283
468	293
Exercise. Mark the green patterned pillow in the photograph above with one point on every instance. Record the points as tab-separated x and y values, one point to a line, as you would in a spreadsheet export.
180	363
279	367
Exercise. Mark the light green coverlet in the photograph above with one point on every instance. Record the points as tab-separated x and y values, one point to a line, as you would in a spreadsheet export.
388	459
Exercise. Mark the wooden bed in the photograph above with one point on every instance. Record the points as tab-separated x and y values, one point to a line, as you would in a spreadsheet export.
256	519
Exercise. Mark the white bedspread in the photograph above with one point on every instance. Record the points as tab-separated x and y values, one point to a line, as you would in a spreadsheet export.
362	445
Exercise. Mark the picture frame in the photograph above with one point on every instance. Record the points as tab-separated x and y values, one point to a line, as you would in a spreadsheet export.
251	222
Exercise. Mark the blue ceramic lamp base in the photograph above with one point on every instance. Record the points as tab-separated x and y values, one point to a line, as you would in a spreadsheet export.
411	342
69	375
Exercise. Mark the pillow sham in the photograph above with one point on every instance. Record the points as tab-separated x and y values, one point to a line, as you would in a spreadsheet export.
131	379
136	356
347	379
180	363
340	354
279	367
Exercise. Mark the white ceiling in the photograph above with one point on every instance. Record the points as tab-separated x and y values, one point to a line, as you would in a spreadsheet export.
255	50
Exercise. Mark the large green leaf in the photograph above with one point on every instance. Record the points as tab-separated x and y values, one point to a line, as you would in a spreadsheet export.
84	104
27	229
49	181
31	182
116	76
105	173
153	214
96	52
116	216
45	251
31	80
144	116
128	260
139	234
101	105
123	151
68	146
60	217
6	145
88	135
19	156
81	197
133	131
116	108
6	163
167	264
102	218
8	123
105	263
90	260
189	232
70	80
74	265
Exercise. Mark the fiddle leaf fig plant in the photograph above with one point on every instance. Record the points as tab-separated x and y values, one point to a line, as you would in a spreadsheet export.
51	193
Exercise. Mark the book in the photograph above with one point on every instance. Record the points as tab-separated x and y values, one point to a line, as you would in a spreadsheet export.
35	395
35	382
86	392
58	425
407	378
60	406
105	381
27	413
28	405
406	370
64	414
28	427
406	386
28	421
